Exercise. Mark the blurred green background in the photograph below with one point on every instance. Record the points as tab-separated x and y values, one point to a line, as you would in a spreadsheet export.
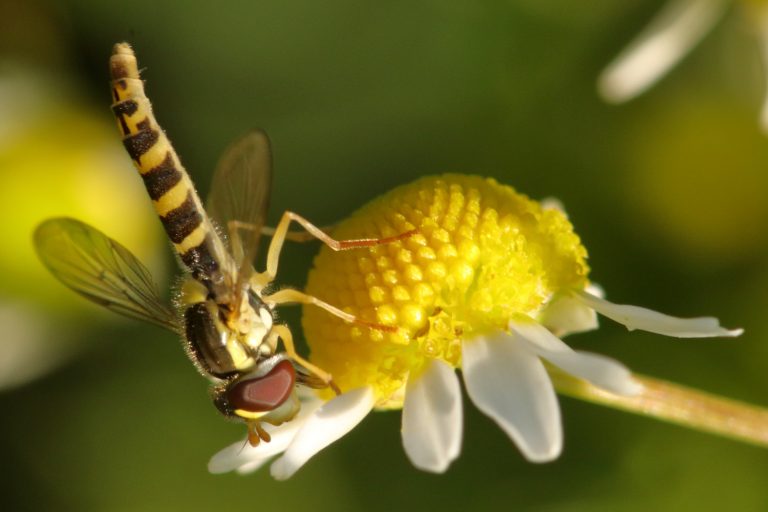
667	192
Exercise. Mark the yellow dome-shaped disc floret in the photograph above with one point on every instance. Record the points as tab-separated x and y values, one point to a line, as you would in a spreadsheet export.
482	255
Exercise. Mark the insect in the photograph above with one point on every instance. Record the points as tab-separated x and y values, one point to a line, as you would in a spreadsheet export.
225	308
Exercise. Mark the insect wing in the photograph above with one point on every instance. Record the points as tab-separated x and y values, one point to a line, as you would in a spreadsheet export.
101	270
239	195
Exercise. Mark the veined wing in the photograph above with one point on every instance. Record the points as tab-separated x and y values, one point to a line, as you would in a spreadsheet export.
239	196
101	270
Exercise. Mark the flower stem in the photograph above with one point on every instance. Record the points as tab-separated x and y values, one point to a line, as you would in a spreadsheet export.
678	404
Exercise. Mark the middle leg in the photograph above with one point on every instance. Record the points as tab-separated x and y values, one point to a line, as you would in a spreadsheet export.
290	296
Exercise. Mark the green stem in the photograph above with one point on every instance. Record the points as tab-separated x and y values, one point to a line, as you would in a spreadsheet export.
678	404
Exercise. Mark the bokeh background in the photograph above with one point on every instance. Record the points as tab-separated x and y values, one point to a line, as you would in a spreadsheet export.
668	193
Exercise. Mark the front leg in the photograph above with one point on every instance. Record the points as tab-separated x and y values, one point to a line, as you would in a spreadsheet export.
281	233
284	333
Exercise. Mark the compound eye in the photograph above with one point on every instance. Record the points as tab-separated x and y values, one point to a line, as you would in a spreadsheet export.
265	393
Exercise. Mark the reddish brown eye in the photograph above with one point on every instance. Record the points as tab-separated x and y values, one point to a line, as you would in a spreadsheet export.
264	393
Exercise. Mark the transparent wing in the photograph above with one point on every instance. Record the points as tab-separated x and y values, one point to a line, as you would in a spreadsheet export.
239	195
100	269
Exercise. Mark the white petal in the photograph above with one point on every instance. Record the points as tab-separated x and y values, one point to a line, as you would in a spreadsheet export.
432	418
662	44
508	382
245	458
334	419
252	466
635	317
601	371
553	203
241	454
567	315
595	290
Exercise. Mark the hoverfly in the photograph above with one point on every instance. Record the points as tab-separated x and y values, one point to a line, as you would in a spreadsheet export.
225	308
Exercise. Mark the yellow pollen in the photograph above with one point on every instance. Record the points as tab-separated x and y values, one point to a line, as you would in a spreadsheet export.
482	255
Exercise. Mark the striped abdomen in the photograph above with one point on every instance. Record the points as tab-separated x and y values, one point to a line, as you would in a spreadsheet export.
167	183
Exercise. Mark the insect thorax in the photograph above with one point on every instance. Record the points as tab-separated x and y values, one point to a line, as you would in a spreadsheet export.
224	338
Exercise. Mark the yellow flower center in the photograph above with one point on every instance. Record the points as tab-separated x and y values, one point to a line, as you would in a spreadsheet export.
482	255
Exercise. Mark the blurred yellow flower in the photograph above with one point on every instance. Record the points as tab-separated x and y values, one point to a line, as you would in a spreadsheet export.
699	198
57	156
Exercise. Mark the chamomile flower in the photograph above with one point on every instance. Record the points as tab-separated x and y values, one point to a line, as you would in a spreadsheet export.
668	38
488	285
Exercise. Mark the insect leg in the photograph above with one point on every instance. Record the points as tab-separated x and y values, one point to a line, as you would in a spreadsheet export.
284	333
293	236
236	242
273	254
290	296
296	236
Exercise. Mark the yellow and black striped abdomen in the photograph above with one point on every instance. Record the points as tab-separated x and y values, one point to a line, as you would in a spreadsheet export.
167	183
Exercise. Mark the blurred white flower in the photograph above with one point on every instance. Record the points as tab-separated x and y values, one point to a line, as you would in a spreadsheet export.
667	39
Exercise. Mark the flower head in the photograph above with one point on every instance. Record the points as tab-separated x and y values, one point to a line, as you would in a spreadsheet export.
488	285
